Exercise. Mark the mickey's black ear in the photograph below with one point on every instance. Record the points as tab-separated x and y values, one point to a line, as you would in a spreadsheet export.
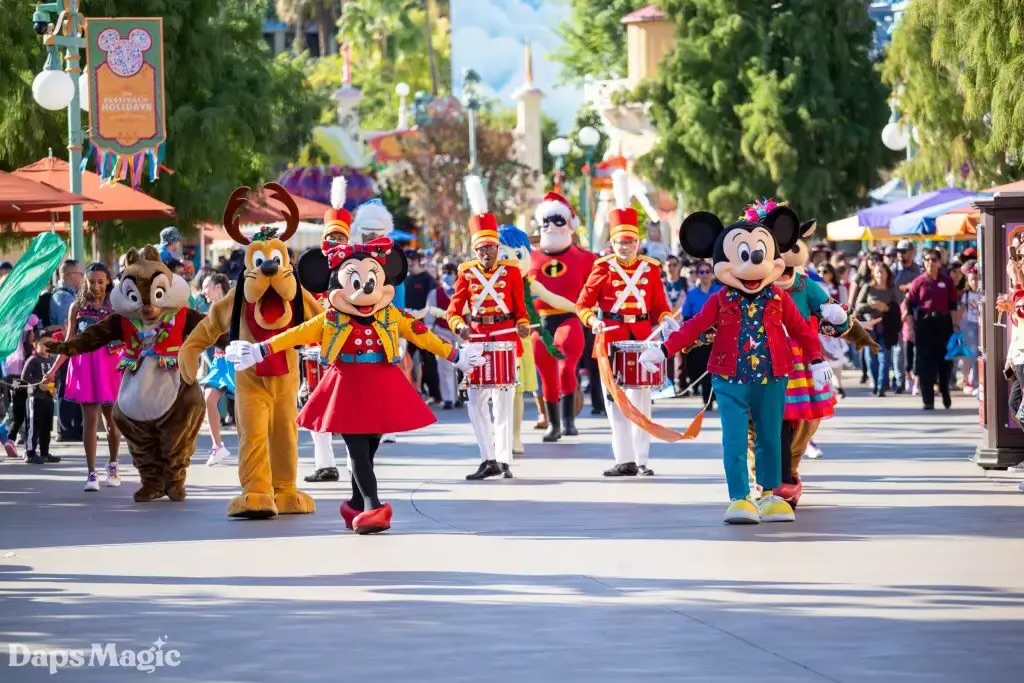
314	274
785	225
807	229
396	267
698	233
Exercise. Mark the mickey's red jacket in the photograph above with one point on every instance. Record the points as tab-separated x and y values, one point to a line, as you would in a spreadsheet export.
781	317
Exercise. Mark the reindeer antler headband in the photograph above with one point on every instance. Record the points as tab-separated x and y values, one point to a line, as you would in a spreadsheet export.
240	197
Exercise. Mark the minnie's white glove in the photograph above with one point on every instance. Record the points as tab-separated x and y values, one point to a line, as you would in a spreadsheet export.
834	313
243	355
822	374
470	356
652	358
668	327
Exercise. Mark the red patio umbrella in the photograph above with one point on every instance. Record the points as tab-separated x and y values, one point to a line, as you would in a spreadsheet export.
20	196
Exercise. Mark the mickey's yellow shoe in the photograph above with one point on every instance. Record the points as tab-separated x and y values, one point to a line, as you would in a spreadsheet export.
775	509
742	512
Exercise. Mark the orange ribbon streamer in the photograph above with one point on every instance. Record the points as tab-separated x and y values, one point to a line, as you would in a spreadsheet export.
630	411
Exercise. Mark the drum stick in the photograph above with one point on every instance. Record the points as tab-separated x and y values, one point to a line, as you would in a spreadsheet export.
657	330
495	334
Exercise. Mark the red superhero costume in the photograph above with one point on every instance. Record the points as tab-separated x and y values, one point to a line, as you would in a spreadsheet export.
563	269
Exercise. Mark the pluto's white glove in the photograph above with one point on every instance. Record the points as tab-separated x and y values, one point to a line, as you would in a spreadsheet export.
470	356
822	374
652	358
243	355
669	326
834	313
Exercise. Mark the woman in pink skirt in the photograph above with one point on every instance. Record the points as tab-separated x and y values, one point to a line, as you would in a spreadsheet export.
93	378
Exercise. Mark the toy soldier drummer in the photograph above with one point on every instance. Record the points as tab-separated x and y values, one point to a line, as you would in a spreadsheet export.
491	292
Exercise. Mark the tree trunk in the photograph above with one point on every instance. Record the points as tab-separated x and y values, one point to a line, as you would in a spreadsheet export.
323	28
428	29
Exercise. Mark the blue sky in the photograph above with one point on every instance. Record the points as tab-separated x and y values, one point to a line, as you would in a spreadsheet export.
488	36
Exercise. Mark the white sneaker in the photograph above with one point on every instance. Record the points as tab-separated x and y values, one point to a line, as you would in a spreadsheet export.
93	482
113	478
218	454
813	452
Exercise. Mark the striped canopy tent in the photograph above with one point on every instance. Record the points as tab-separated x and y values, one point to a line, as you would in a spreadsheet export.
923	221
964	220
882	216
850	230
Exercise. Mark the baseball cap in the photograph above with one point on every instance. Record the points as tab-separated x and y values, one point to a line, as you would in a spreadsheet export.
891	251
904	245
413	255
6	265
170	235
968	254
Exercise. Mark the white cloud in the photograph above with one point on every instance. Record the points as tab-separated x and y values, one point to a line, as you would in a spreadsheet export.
489	37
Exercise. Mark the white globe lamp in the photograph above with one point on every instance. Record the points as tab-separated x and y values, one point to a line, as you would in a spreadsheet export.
53	90
588	137
895	136
83	90
559	147
402	89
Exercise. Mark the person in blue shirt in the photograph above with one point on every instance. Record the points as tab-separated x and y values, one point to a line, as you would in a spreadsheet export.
697	358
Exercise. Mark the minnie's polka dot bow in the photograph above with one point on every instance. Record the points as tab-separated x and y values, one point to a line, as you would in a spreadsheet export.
337	254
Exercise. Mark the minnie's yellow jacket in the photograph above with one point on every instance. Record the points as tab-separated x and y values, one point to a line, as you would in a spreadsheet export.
331	328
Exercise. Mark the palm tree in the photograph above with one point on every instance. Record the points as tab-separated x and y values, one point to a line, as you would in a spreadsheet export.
324	13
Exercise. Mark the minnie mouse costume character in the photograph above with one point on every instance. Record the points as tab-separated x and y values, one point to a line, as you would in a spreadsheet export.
364	393
750	357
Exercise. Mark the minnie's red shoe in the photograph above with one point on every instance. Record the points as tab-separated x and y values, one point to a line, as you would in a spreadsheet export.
374	521
791	492
348	513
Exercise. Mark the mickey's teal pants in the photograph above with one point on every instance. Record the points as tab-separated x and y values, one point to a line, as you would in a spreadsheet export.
764	404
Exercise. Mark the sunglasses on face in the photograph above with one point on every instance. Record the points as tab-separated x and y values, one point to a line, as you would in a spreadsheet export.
703	272
557	221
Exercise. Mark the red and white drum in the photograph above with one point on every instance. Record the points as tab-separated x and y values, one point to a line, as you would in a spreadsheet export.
312	371
629	374
499	370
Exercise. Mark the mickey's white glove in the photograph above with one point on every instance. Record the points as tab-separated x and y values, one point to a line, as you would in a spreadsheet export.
834	313
668	327
470	356
822	374
652	358
243	355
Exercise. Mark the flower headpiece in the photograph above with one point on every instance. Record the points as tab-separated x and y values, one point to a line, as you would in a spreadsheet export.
758	211
378	249
265	233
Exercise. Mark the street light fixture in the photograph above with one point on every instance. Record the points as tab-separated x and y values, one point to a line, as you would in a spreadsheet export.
471	99
897	136
588	137
559	149
54	89
402	90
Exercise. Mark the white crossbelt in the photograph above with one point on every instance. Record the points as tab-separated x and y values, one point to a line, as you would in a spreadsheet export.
489	290
630	288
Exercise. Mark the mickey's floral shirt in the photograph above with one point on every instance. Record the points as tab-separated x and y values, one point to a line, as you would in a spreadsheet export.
755	362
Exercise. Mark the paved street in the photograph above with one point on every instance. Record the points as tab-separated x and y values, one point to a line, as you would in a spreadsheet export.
906	563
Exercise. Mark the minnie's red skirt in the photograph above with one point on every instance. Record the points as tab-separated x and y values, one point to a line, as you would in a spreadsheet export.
365	398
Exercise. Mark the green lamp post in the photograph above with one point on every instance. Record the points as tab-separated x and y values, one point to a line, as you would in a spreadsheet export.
54	89
589	138
470	81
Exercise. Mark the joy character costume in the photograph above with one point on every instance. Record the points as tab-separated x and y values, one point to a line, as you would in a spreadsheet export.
158	414
561	268
624	300
516	247
750	356
267	300
489	307
364	393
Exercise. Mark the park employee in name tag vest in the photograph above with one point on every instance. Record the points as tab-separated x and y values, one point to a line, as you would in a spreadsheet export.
626	295
489	306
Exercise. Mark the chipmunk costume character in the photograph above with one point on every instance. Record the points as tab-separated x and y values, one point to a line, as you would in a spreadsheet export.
266	301
561	268
158	414
750	356
364	393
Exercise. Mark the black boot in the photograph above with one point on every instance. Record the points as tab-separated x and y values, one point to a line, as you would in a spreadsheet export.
626	469
506	471
569	415
488	468
554	432
323	474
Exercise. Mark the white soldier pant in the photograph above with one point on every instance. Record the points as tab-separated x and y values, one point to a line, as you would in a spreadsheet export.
493	434
630	443
323	450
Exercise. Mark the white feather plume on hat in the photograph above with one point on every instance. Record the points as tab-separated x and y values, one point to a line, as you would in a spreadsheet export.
620	187
373	216
338	188
476	195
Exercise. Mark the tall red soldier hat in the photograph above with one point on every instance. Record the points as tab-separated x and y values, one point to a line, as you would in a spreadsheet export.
483	226
622	220
336	218
556	204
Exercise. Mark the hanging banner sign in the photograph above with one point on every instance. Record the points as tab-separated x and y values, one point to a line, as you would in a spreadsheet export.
127	110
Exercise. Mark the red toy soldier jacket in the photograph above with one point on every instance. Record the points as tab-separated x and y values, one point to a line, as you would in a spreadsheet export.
495	301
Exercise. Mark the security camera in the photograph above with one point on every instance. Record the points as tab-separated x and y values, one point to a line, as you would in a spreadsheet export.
40	21
40	27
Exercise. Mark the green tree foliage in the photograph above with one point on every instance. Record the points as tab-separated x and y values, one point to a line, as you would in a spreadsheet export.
595	39
983	41
235	115
768	99
951	140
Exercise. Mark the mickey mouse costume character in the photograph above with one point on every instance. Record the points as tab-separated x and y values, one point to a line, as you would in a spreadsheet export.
364	393
750	357
491	291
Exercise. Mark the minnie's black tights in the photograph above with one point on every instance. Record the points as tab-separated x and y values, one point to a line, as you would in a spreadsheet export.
361	449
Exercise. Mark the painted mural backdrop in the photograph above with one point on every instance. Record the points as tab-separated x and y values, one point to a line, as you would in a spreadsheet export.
488	36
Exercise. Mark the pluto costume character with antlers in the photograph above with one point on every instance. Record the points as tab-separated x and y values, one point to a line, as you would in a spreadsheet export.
267	301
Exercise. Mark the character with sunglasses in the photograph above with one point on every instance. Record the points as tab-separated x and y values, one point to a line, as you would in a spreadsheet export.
561	268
